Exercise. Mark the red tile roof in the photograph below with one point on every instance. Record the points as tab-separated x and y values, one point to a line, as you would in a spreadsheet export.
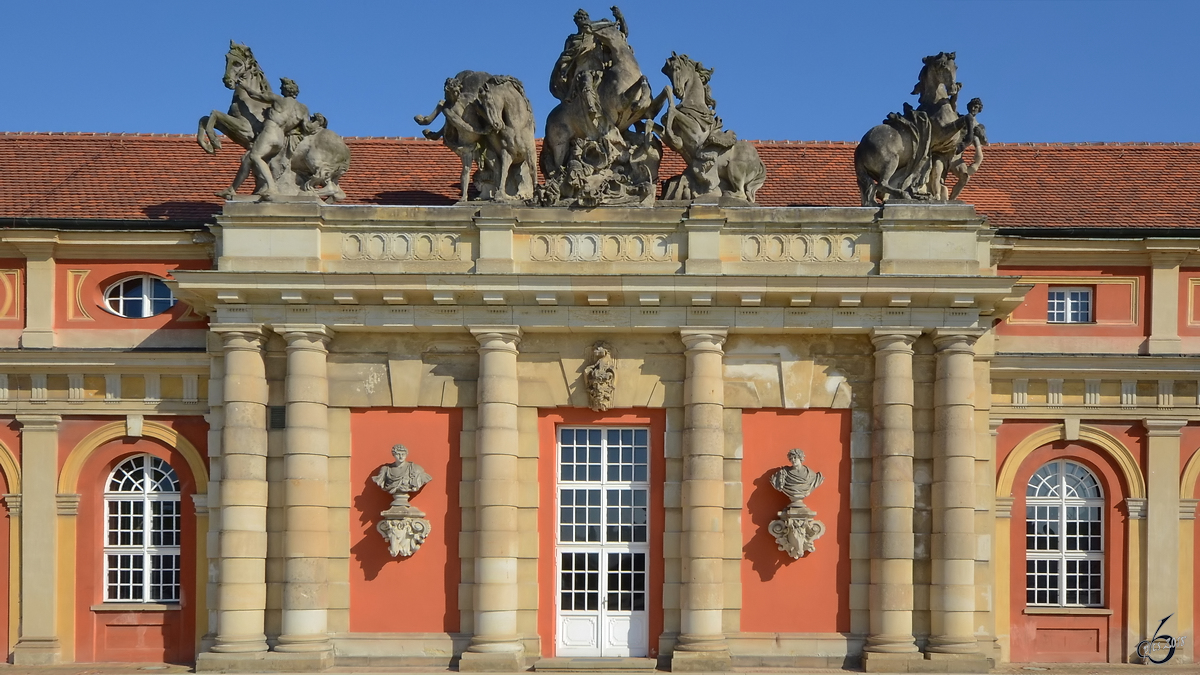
169	178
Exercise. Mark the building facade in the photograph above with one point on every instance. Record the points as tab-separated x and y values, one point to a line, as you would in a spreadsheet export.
1002	402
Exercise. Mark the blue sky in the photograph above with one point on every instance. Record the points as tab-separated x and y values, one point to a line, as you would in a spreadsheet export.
1066	70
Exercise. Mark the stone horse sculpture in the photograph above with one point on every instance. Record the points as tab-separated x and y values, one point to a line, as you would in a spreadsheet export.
489	122
910	154
591	155
290	152
717	162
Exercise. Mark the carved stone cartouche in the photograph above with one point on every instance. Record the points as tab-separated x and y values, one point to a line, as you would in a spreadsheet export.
911	153
601	378
718	164
291	153
404	526
600	148
796	530
488	122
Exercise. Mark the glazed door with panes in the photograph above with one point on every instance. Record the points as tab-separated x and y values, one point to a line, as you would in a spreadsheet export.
603	541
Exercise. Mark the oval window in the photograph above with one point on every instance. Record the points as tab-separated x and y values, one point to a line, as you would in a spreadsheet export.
139	297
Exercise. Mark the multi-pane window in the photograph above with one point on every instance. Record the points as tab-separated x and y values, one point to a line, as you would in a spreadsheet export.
603	518
142	532
1069	304
1064	537
139	297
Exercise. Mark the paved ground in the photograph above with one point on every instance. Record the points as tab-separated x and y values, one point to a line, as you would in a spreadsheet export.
1003	669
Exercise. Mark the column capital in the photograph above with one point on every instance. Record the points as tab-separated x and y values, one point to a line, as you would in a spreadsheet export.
704	339
37	422
309	336
894	338
956	339
241	336
497	338
1160	427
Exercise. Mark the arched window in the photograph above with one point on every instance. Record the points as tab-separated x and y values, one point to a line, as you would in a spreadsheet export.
142	532
1064	537
139	297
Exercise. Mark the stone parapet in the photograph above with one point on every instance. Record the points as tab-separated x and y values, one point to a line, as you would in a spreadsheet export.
670	239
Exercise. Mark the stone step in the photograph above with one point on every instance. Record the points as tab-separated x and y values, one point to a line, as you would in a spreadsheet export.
583	664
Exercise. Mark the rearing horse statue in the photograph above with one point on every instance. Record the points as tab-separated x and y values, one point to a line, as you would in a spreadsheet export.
910	154
717	162
245	117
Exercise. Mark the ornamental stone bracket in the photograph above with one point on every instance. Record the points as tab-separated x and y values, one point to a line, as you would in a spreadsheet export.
404	526
797	530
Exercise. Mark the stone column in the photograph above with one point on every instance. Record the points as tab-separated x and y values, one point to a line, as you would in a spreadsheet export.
495	646
702	645
306	502
242	589
1162	525
890	598
38	644
952	597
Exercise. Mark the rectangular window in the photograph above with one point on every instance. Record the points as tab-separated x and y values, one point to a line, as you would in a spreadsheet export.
1069	304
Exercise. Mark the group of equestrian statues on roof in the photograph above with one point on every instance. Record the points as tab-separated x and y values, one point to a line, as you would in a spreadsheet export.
603	142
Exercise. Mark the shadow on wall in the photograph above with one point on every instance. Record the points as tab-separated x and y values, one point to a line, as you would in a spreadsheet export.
764	505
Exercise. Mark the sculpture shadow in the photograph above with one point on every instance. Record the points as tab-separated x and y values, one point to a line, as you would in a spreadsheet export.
371	550
412	198
183	212
764	505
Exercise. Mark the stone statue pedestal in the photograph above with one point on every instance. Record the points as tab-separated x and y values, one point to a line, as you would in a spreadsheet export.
797	529
403	527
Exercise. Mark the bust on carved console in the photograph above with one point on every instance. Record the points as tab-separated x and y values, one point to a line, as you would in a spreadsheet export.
796	529
404	526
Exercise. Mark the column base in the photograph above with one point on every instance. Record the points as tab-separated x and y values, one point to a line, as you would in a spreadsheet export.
37	652
701	662
883	662
264	662
891	662
492	662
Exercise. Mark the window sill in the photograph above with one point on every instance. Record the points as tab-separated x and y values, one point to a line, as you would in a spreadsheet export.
135	607
1067	611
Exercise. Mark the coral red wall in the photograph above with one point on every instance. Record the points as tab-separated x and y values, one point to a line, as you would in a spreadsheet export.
768	574
548	422
418	594
1071	638
102	274
141	635
1111	310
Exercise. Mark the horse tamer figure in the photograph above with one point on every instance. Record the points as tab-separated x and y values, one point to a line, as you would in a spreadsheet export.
911	153
289	151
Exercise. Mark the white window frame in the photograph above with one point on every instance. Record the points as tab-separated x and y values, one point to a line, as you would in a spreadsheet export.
605	547
1076	304
116	305
1063	557
135	567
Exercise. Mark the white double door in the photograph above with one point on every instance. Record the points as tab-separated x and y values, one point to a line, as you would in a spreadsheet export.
603	541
